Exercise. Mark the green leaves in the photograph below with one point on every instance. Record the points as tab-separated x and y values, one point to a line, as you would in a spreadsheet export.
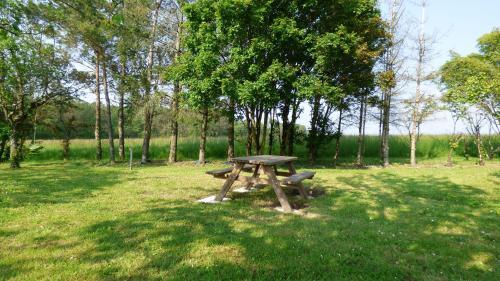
266	52
474	80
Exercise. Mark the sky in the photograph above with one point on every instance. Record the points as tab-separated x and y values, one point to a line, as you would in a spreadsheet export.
458	23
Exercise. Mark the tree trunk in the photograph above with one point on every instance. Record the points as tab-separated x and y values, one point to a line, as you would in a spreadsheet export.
108	113
174	123
230	129
466	148
65	146
449	162
121	118
385	128
271	132
453	143
359	158
363	144
256	117
264	132
313	132
291	134
14	148
413	145
284	128
3	143
337	139
380	129
479	148
203	137
249	133
148	120
34	127
97	131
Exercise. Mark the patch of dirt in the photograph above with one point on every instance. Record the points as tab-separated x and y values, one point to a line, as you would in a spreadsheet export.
316	191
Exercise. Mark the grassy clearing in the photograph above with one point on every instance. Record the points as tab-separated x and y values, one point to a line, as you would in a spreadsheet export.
78	221
429	148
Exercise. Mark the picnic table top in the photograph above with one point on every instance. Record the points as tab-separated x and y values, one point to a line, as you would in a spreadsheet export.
264	159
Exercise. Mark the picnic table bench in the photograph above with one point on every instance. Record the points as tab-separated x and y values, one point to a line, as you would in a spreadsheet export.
266	164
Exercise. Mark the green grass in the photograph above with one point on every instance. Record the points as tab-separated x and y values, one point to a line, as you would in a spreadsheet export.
78	221
429	148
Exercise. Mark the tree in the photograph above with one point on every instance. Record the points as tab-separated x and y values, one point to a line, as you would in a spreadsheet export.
33	72
344	53
422	106
150	86
472	87
229	56
264	55
392	70
130	30
87	22
175	99
199	66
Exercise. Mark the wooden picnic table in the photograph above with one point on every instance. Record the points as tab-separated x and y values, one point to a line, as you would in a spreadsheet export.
268	165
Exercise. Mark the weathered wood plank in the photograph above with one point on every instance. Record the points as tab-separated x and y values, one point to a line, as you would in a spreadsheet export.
269	171
298	178
255	175
299	185
264	159
222	172
229	181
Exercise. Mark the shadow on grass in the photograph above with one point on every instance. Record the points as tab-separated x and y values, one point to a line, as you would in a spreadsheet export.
404	229
41	184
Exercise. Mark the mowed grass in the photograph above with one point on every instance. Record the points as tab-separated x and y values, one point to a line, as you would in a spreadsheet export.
79	221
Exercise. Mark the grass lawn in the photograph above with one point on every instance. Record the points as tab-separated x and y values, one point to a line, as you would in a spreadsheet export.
78	221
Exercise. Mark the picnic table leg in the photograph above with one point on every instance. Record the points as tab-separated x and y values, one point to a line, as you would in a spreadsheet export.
269	171
229	181
254	175
300	186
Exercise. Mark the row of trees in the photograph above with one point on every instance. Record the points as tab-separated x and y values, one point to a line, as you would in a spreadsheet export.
256	62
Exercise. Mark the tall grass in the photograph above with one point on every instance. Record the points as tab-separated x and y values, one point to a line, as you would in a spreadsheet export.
429	147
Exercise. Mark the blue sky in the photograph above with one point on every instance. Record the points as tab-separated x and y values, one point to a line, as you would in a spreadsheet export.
459	24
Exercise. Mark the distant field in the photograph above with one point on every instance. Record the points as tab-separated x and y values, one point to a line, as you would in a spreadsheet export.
430	148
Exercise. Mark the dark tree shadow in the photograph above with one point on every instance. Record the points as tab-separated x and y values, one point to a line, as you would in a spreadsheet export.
45	184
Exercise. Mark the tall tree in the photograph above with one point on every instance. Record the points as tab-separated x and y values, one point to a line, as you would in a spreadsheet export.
392	68
130	30
175	99
33	72
472	86
344	54
86	26
149	85
422	105
109	119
